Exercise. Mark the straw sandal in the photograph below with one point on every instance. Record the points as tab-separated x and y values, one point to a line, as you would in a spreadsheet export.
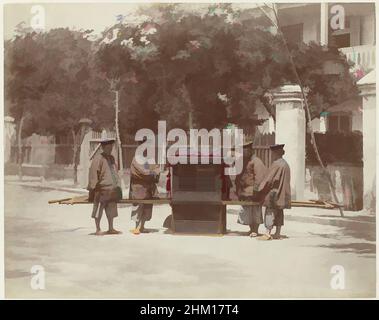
265	237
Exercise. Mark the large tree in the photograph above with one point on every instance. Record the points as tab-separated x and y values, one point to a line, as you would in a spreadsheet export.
213	66
24	80
201	68
48	82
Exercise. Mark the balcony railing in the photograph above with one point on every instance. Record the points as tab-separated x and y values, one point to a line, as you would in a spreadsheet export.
363	56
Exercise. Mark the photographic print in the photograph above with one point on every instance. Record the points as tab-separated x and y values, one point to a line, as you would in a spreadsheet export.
208	150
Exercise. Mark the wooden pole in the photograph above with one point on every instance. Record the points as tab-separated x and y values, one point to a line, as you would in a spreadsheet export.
121	165
159	201
114	87
94	151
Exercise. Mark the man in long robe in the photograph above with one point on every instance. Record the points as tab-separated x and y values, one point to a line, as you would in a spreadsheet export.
247	183
102	183
143	179
276	190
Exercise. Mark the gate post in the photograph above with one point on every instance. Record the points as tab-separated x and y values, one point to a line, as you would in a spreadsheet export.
9	137
84	161
367	87
290	130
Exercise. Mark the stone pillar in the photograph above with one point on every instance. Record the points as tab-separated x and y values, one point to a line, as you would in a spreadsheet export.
290	130
9	137
84	160
323	124
324	23
85	135
367	90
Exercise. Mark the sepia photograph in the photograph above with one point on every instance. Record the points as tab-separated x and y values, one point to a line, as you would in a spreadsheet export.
189	150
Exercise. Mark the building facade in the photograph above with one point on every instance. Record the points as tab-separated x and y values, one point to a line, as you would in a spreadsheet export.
351	28
353	32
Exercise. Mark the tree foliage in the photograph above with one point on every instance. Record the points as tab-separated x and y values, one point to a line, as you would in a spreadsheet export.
217	64
48	79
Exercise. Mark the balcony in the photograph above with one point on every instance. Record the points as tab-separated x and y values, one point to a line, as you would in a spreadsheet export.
361	55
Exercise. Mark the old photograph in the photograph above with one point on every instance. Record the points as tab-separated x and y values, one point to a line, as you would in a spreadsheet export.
189	150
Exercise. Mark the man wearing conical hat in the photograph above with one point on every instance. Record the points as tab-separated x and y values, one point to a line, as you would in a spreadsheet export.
104	187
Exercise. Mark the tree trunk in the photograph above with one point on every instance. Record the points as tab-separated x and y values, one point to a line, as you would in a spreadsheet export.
19	143
121	166
190	125
120	162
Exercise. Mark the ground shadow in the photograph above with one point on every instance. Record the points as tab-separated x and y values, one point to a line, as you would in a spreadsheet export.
352	247
147	231
151	230
357	218
11	274
355	247
366	231
70	230
237	233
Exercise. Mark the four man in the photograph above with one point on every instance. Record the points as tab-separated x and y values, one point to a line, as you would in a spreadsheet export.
255	183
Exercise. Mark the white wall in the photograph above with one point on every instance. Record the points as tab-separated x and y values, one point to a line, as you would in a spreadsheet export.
369	147
311	26
356	122
368	29
42	149
362	17
316	125
311	29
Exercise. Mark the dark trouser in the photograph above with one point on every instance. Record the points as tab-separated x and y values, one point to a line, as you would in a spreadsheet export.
273	217
99	205
250	215
141	212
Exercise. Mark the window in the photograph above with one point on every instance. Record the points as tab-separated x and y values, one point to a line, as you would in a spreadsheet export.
344	125
293	33
197	177
339	123
333	123
341	40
